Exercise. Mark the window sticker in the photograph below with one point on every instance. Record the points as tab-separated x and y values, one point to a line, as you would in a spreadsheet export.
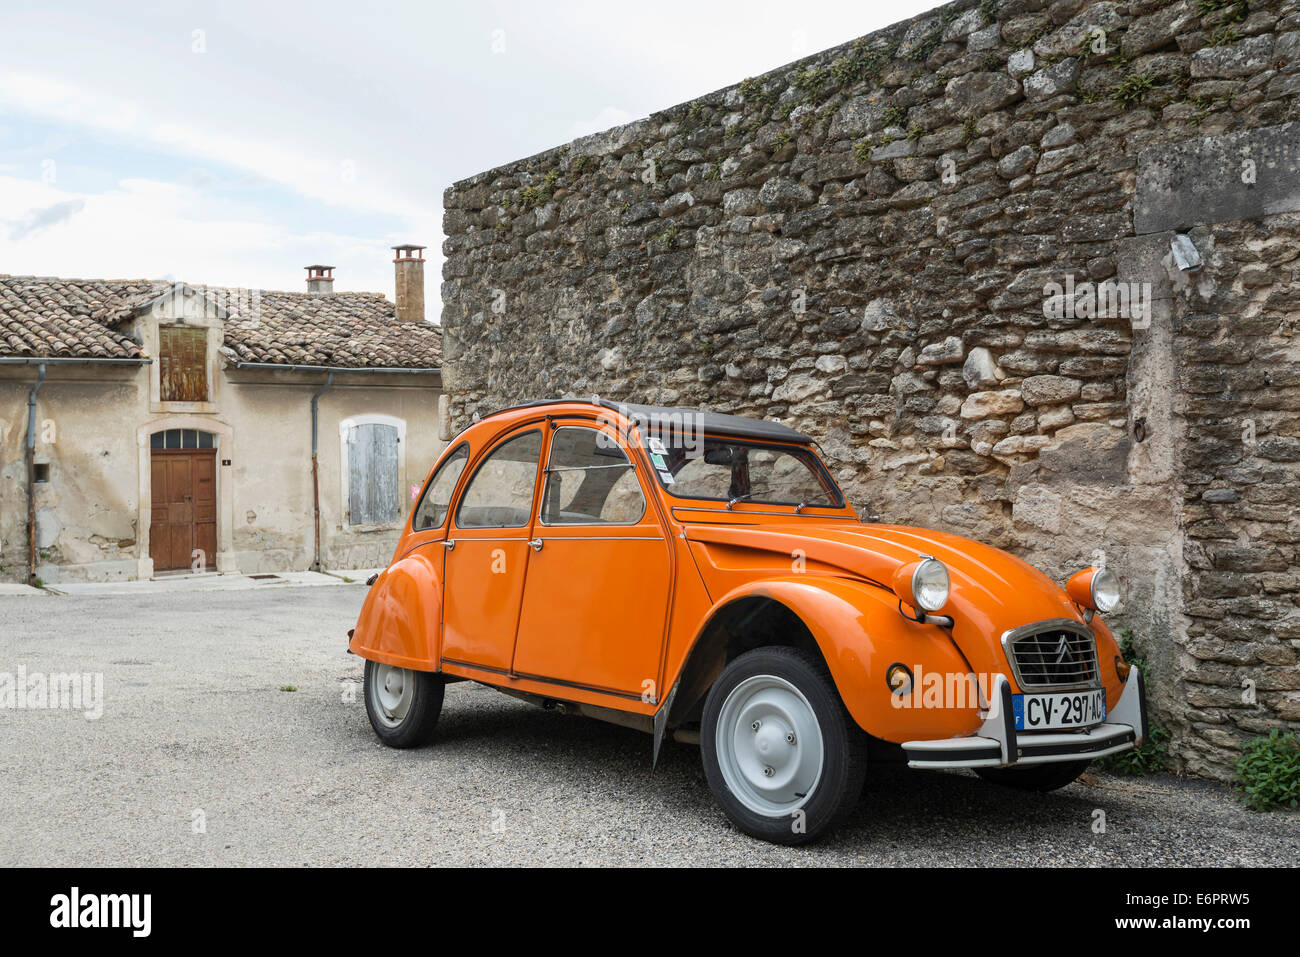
657	446
658	460
666	477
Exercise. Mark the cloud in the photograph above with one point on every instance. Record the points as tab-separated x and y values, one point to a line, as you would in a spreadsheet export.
175	231
338	179
35	220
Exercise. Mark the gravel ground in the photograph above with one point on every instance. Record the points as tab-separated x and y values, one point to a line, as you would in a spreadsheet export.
195	723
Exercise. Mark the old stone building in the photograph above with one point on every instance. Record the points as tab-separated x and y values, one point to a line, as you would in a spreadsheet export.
1028	270
153	427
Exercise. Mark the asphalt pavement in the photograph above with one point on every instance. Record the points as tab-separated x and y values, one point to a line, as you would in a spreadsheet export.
202	756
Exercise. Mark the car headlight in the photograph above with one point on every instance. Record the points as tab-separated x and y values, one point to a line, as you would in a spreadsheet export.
930	585
1104	590
1096	589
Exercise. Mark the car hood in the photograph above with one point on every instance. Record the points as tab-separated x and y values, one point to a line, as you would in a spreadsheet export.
991	591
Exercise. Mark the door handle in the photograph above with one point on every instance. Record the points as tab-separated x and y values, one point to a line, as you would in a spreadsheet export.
448	544
535	544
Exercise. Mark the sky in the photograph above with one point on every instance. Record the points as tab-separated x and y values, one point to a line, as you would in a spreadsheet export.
233	143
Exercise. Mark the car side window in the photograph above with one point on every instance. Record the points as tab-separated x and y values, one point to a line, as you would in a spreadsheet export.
434	505
500	493
589	481
700	478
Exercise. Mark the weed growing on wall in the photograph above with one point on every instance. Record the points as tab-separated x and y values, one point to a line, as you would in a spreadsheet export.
1268	773
1133	89
1149	757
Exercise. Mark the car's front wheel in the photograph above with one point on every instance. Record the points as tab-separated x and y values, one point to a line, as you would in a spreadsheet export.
403	705
781	754
1035	777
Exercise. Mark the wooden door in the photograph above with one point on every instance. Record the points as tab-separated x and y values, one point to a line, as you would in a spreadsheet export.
184	518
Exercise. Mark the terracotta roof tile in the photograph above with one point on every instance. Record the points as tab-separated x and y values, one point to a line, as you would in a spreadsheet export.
78	318
56	317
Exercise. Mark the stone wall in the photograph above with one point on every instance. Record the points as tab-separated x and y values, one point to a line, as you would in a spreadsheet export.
898	246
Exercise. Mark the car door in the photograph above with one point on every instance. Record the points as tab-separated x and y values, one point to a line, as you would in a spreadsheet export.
596	594
487	554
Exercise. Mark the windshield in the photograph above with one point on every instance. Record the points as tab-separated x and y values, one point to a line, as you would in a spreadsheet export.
729	469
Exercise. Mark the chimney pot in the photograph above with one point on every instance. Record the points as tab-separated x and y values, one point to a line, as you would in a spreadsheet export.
408	266
320	279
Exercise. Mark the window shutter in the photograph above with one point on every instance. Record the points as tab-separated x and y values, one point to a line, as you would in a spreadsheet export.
373	497
183	364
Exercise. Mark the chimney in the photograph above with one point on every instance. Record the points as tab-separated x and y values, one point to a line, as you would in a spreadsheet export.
409	267
320	279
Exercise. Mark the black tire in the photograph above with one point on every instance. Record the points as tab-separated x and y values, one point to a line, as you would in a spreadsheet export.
416	724
843	754
1035	777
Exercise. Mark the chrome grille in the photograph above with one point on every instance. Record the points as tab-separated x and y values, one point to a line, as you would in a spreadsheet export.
1053	654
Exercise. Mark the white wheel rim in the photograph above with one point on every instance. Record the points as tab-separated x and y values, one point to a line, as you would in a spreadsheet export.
769	745
392	690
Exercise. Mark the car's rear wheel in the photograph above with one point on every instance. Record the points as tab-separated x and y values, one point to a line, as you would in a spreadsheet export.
1035	777
782	756
403	705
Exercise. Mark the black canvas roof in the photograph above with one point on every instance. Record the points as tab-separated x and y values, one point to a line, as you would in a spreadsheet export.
662	418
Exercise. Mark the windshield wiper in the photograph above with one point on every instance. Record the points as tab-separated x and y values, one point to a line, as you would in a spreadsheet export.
738	498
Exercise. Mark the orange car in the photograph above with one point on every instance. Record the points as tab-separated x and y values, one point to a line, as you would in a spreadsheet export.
700	576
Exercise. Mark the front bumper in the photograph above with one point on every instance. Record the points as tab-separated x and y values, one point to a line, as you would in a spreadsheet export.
997	744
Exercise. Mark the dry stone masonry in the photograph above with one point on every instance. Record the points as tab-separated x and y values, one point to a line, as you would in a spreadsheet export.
1029	271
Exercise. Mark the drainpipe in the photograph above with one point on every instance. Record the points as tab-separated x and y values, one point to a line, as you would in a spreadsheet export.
315	473
31	475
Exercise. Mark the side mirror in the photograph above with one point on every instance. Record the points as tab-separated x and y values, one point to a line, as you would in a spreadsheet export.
867	517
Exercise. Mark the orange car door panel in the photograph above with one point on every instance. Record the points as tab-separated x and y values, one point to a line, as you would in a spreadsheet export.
488	556
602	628
484	581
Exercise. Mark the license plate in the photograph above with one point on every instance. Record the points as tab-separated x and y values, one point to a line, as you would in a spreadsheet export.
1065	709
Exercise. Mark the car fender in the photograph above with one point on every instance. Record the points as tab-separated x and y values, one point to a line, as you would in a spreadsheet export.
860	632
1108	658
400	618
